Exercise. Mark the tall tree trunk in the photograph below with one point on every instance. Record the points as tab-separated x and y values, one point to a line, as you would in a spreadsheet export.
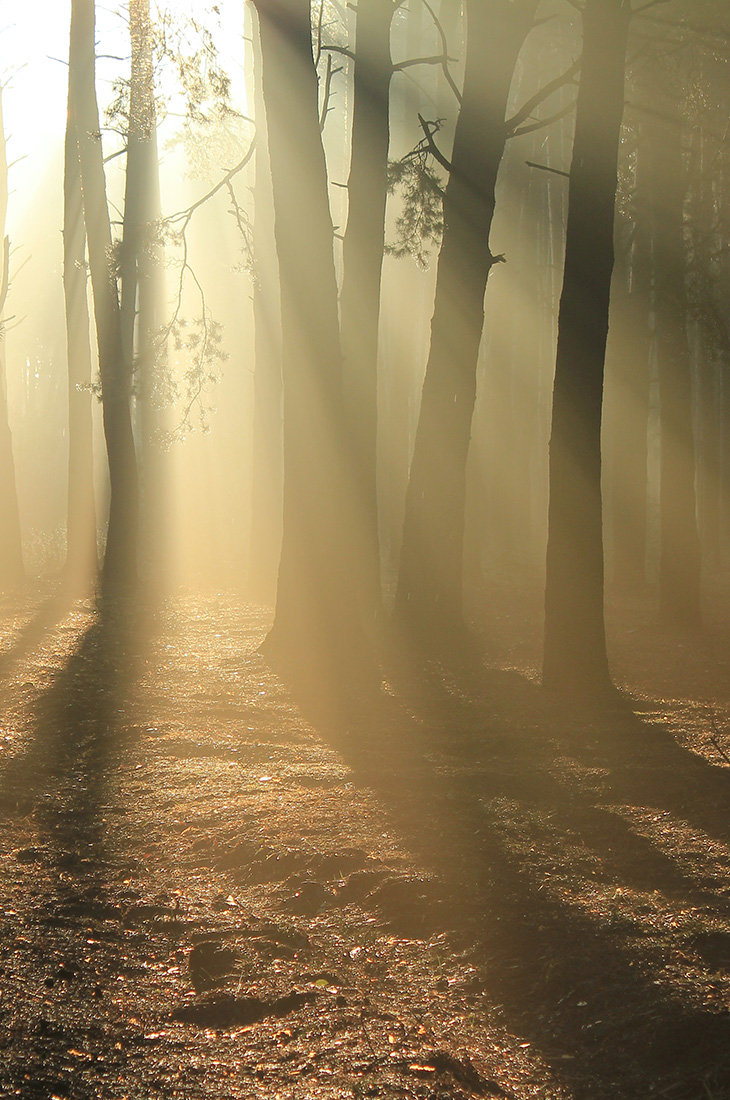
316	626
143	277
267	442
575	645
680	557
81	552
12	571
363	248
429	594
120	557
631	345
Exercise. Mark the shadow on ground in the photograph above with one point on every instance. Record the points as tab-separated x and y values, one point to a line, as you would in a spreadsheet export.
59	952
573	869
581	860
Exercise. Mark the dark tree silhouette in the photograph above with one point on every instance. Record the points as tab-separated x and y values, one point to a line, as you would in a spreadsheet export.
429	594
680	555
575	646
12	571
316	625
363	249
120	557
267	470
143	294
81	552
628	355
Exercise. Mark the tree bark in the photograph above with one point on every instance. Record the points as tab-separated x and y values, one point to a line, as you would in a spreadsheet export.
81	552
266	497
143	312
575	656
12	571
316	627
429	594
363	249
120	557
629	355
680	555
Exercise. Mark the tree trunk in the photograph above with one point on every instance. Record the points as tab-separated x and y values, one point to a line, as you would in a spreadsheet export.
680	557
12	571
631	349
429	594
575	645
143	314
316	627
363	248
120	558
267	442
81	552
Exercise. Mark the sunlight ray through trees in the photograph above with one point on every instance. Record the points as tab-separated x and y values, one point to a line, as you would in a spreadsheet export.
364	592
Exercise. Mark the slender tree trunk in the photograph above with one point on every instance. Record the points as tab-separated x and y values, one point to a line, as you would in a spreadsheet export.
133	195
363	248
267	428
631	349
316	626
81	552
447	107
575	645
12	571
120	558
143	312
680	557
724	460
429	594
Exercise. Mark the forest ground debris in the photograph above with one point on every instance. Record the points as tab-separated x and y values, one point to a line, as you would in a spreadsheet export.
500	900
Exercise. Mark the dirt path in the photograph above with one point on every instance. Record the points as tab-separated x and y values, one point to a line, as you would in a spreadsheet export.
457	892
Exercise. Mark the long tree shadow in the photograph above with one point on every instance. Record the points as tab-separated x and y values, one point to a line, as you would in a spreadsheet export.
562	845
61	785
36	627
76	733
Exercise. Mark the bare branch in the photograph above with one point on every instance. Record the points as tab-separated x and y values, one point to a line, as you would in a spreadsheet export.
329	73
186	215
540	96
6	273
434	59
542	20
444	50
649	4
543	122
547	168
429	129
197	379
714	736
339	49
243	223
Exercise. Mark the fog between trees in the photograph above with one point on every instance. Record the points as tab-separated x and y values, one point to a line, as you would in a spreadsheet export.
306	294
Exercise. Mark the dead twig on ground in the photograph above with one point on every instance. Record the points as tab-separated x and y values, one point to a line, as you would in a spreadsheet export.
714	737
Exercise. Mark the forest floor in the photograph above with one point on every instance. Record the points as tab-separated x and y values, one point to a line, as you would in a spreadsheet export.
460	891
